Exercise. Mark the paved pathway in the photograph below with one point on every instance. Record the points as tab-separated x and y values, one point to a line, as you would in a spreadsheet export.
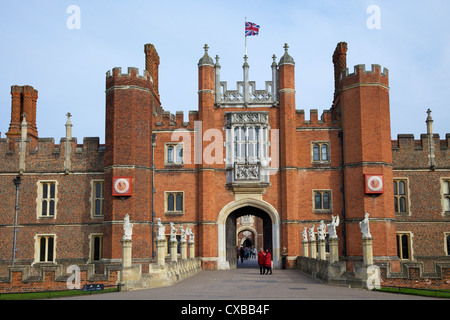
247	284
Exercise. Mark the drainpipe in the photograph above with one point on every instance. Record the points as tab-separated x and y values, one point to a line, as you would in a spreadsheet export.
17	183
153	195
344	233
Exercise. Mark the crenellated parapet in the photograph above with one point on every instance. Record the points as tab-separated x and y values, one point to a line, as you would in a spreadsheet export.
49	156
408	152
115	77
168	121
325	120
375	76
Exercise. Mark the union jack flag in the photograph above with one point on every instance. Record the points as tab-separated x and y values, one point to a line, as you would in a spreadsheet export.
251	29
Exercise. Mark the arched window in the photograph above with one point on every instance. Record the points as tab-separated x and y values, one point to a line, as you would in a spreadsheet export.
170	202
400	196
170	154
316	152
324	152
179	200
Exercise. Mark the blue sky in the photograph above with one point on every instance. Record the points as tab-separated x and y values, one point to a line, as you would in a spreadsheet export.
68	67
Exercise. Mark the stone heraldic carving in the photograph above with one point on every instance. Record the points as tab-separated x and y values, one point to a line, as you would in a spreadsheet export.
246	172
246	118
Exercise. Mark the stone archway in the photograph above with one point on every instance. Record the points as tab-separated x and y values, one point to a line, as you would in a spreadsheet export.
263	208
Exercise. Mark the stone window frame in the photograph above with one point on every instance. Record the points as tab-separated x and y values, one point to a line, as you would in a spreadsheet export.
37	248
40	199
320	144
94	198
445	194
166	203
406	196
92	237
177	161
322	192
409	236
447	243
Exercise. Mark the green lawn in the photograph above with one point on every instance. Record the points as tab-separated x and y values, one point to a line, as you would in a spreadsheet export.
50	294
419	292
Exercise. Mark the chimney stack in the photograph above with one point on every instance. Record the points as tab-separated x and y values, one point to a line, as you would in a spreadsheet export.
152	65
23	101
340	64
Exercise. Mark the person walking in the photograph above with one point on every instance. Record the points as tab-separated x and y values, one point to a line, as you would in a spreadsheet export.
242	253
261	261
268	261
283	258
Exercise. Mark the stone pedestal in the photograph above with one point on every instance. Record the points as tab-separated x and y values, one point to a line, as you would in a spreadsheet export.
126	253
305	249
334	250
161	252
173	250
191	249
322	253
367	251
183	245
313	249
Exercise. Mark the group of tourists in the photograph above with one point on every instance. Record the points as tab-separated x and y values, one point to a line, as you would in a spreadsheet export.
265	261
246	253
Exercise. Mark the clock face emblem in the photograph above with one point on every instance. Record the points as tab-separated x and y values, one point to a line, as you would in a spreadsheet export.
121	186
374	184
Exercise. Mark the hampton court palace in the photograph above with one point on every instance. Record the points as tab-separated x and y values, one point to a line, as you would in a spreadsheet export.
246	168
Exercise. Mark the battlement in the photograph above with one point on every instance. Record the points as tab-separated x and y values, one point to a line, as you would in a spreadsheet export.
48	156
325	120
407	142
360	75
132	73
408	152
169	121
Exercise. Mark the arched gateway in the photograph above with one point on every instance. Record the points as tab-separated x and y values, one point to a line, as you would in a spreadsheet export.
227	229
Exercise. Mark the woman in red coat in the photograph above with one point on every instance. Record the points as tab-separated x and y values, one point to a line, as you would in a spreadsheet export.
261	261
268	261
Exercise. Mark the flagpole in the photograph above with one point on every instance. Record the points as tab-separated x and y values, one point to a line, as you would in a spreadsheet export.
245	38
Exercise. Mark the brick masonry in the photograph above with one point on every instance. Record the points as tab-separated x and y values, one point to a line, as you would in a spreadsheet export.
356	128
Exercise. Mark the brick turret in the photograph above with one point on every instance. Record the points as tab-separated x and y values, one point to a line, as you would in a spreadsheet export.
206	176
289	177
130	99
24	100
363	100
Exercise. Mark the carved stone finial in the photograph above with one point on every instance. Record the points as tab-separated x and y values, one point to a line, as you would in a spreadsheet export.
286	58
206	59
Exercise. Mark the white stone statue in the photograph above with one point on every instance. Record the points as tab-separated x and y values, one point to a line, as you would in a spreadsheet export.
321	230
161	235
127	228
305	234
311	235
173	232
183	234
188	232
332	227
364	225
191	236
